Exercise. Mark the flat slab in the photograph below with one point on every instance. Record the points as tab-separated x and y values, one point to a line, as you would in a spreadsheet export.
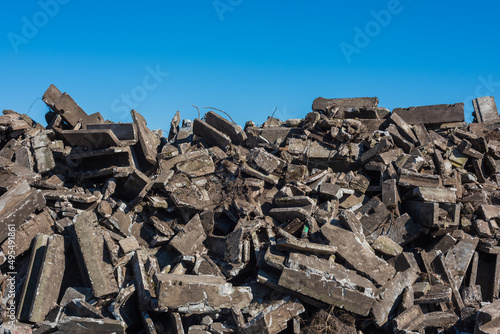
433	114
199	294
91	255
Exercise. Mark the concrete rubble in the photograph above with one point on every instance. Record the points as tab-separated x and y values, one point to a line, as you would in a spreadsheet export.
390	219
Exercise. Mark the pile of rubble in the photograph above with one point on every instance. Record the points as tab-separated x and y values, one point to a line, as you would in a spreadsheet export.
391	218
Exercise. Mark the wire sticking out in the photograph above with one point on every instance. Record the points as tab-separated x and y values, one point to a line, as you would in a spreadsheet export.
32	105
275	108
223	112
199	115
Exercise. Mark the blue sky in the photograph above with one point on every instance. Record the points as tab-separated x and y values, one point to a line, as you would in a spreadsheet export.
246	57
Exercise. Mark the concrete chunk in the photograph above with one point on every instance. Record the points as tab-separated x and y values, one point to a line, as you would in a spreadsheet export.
357	254
235	132
274	318
328	282
433	114
435	195
403	230
485	110
380	147
49	279
148	143
16	204
199	294
412	179
190	239
89	247
272	179
387	246
264	160
211	135
126	133
79	325
44	160
90	139
338	107
391	291
69	110
410	319
439	319
30	281
488	319
113	161
292	243
197	167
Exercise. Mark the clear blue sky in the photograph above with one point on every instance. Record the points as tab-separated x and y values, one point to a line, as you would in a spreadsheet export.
246	57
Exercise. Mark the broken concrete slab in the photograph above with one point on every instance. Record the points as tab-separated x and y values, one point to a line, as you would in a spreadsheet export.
392	290
378	148
411	179
126	133
89	248
211	135
274	318
79	325
488	319
372	215
26	232
433	114
291	243
108	162
90	139
439	319
148	142
16	204
235	132
199	294
264	160
196	167
387	246
190	239
328	282
49	280
64	105
402	229
338	107
435	195
44	160
485	110
353	251
438	293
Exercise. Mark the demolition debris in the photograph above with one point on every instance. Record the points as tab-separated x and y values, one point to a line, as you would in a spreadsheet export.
354	219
